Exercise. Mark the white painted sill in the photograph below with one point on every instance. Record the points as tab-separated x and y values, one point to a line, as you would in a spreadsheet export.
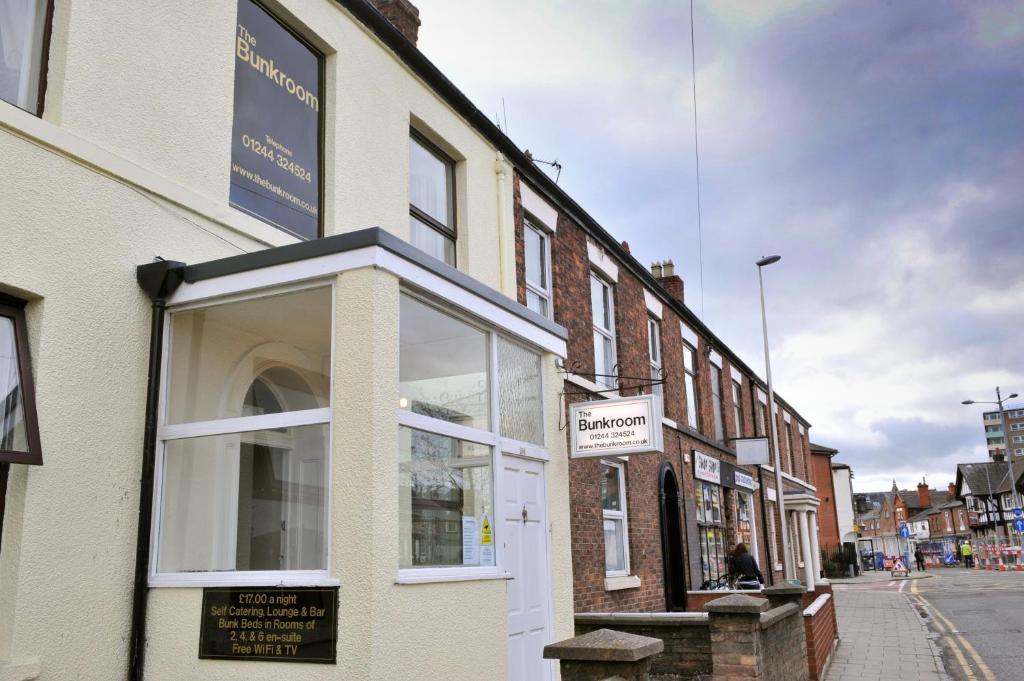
431	576
619	583
242	579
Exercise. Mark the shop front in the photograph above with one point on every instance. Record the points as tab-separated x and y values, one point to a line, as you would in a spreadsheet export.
350	467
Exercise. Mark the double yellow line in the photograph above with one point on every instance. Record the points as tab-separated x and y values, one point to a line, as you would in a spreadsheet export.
957	643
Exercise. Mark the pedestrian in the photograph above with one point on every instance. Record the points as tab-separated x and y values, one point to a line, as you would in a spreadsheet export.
968	553
743	568
919	557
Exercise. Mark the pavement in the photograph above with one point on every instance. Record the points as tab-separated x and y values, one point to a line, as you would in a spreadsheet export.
946	624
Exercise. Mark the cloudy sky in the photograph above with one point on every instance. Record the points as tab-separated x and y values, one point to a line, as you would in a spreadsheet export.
877	146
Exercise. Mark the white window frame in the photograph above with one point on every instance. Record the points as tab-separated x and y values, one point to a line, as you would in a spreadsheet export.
717	406
655	354
753	517
736	391
609	380
170	432
499	447
622	515
692	398
532	286
773	536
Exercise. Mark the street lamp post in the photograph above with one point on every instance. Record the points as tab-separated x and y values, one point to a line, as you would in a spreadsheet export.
1014	500
787	559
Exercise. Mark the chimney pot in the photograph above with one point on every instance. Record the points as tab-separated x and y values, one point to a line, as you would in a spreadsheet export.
669	268
403	15
656	269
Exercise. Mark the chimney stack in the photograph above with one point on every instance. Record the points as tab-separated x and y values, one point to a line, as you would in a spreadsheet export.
923	494
665	273
997	456
952	490
403	15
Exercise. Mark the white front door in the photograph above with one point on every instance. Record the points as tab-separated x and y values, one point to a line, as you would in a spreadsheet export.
524	529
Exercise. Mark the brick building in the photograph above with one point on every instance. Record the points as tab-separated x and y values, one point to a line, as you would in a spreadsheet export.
828	517
647	532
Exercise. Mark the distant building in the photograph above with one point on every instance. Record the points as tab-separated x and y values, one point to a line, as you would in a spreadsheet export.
986	492
998	441
842	484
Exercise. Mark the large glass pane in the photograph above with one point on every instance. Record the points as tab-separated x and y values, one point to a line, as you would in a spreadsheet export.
21	37
536	258
691	400
519	393
431	241
610	498
442	366
429	182
716	402
614	546
245	501
536	303
218	352
599	304
445	503
13	436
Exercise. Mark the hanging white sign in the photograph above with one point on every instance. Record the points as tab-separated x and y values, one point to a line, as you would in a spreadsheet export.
616	427
751	450
707	468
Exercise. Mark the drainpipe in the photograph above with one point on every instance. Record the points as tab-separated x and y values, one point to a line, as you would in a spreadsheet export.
159	280
500	170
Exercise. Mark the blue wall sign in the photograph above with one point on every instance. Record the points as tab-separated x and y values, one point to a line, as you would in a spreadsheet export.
1018	525
276	135
1017	513
904	531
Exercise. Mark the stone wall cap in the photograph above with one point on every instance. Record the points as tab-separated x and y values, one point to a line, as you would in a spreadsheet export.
605	645
784	590
737	604
650	619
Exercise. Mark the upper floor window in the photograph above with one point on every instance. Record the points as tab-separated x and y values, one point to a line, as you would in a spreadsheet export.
431	200
19	434
536	243
737	407
613	508
654	348
716	403
790	456
762	419
602	307
22	63
690	383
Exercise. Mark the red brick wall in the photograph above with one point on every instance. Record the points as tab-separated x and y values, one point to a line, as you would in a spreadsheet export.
828	523
820	631
571	268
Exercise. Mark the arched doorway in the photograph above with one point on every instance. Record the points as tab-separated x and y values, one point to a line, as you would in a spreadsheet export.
671	540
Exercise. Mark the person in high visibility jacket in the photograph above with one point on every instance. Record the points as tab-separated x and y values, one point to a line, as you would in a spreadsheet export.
968	554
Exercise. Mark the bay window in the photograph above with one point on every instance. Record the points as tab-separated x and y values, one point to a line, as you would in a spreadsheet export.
465	395
613	510
243	462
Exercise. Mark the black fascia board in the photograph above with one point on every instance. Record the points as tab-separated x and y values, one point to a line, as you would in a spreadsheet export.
412	57
364	238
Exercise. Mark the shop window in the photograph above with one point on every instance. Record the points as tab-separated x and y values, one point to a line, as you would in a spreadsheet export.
737	407
711	531
602	308
242	483
431	199
717	407
690	383
537	245
745	520
23	38
654	347
449	435
613	508
19	431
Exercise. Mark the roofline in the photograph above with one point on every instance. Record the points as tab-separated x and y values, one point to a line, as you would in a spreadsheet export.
380	26
815	447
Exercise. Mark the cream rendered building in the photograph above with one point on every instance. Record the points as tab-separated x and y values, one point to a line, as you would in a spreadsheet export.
343	412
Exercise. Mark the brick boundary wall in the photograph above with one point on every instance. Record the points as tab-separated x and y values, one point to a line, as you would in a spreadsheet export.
820	630
687	639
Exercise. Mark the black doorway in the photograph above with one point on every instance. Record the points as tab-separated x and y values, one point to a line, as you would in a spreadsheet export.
671	540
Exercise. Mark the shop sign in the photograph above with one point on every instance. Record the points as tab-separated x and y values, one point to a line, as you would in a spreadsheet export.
276	134
616	427
751	450
707	468
743	480
277	624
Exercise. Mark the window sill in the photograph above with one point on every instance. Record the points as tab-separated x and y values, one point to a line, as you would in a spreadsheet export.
620	583
242	579
432	575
